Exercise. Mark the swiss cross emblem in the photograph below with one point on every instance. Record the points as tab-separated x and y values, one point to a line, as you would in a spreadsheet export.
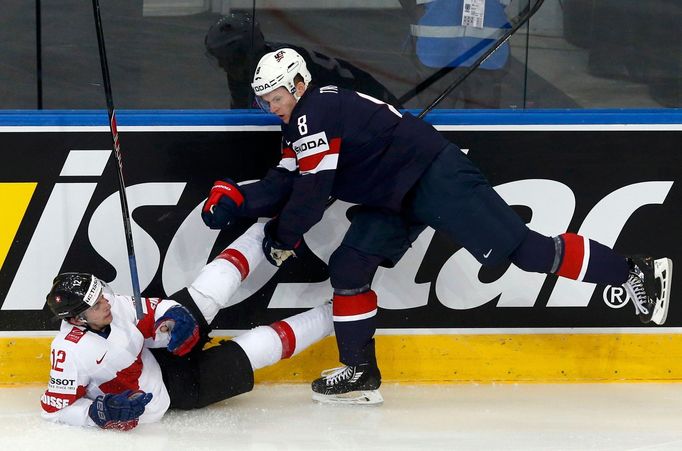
58	299
279	55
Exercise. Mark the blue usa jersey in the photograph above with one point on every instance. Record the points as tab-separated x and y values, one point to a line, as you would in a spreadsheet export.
347	145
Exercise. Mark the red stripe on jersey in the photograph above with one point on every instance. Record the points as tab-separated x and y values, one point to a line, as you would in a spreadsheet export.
288	337
574	253
334	145
146	324
310	162
354	305
288	152
126	379
52	402
237	259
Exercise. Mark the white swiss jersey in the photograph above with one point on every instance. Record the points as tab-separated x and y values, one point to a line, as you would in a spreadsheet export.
86	365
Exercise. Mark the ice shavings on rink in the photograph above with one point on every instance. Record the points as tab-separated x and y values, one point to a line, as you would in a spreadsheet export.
413	417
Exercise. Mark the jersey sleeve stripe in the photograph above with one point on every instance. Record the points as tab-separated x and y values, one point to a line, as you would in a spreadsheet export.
289	164
311	162
326	163
52	402
146	324
288	160
288	152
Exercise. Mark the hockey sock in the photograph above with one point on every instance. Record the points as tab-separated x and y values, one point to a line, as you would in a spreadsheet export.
572	256
300	331
580	258
355	324
217	282
267	345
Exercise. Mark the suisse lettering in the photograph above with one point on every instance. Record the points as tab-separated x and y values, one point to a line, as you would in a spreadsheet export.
53	401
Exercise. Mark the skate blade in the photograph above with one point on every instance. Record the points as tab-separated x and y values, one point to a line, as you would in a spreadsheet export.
360	397
663	272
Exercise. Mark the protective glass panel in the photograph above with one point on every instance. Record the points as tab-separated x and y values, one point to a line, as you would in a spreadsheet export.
200	54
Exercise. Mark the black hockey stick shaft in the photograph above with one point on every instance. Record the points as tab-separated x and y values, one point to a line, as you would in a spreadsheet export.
137	300
465	74
442	72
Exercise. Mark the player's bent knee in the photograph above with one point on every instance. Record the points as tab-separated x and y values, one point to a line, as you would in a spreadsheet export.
350	268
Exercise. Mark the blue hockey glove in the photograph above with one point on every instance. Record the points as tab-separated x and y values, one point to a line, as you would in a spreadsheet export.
223	205
275	251
183	329
120	411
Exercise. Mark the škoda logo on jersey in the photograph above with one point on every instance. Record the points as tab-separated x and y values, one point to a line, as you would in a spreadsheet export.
314	143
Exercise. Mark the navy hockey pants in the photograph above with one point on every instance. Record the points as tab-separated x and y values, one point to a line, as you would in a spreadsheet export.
453	197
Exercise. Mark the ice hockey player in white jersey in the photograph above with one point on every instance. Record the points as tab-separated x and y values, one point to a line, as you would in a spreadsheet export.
110	370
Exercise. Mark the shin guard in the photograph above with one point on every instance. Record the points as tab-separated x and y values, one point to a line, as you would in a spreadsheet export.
355	324
267	345
300	331
217	282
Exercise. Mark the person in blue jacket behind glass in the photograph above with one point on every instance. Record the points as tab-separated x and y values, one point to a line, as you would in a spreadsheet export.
454	33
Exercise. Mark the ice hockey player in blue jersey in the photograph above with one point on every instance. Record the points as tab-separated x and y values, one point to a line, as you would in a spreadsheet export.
403	176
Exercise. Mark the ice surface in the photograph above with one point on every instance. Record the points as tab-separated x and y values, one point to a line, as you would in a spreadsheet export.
524	417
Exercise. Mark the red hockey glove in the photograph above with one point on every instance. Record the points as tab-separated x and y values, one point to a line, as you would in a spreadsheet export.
223	205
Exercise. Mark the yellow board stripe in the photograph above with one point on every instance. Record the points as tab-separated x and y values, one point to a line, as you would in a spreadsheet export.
445	358
14	199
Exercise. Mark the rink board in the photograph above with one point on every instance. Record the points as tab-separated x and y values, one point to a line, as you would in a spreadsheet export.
610	175
456	358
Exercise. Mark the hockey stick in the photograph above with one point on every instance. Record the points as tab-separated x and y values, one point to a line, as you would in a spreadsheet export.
521	20
137	300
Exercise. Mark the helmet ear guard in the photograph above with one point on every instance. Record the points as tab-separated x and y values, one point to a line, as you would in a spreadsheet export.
279	69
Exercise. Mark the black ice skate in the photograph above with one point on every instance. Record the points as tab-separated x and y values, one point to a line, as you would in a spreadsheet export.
648	286
349	385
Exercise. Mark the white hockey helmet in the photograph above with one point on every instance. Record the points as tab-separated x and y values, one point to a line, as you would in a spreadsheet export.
277	69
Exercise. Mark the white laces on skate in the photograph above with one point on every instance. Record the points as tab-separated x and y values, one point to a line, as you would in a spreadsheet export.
329	371
338	374
638	294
